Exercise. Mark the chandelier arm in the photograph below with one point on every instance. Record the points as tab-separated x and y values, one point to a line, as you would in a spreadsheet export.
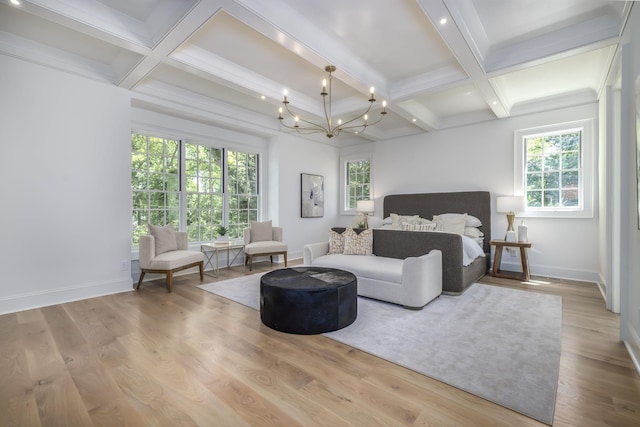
317	126
343	125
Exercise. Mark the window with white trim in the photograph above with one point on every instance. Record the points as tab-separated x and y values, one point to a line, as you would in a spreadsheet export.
355	181
555	172
194	187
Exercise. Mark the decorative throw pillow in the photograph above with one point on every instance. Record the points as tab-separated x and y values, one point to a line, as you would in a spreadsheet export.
165	238
450	223
398	220
261	231
430	226
336	242
358	244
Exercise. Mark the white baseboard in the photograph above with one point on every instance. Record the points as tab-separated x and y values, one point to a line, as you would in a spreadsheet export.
633	346
551	271
27	301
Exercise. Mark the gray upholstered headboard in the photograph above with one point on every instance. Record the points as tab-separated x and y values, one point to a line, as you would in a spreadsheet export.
476	203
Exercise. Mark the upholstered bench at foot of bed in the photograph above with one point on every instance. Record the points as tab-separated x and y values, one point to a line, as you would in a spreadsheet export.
412	282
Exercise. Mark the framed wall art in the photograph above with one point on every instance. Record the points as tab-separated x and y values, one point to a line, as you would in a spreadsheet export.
311	195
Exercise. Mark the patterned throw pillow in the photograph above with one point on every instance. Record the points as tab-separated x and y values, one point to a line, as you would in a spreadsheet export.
430	226
358	244
336	242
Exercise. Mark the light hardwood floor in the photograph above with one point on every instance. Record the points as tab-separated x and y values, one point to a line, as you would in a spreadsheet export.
193	358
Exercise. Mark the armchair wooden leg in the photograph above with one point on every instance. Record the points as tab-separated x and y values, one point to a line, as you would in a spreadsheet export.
250	262
201	266
285	259
271	258
140	279
169	280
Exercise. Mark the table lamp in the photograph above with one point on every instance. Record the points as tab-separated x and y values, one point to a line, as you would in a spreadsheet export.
365	207
510	205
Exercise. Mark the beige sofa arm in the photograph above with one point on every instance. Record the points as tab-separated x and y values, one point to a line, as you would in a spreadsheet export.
147	250
422	276
314	250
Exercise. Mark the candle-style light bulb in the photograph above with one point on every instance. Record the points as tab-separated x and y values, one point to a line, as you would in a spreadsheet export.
285	93
280	112
384	106
371	90
365	118
324	84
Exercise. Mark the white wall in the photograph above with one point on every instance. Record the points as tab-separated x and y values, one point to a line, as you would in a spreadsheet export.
66	191
627	170
289	157
481	157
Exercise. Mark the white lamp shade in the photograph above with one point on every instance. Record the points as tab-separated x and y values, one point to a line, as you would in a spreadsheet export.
364	206
510	204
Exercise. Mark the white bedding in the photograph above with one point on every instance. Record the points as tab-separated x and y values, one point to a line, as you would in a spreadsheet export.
470	250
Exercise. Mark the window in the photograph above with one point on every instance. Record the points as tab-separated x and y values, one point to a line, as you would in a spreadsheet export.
154	183
556	168
203	187
355	178
243	190
209	188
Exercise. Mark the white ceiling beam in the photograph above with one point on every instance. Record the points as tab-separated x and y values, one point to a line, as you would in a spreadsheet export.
93	19
279	22
592	34
188	25
452	36
437	79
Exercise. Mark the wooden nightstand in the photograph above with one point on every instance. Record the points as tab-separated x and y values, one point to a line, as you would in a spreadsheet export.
497	259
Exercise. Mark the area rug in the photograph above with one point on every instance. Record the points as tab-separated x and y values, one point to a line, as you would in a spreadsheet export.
500	344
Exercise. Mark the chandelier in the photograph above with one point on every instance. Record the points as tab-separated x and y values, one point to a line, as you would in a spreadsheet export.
356	124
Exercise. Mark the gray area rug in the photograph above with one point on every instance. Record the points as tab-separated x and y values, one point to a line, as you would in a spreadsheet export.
500	344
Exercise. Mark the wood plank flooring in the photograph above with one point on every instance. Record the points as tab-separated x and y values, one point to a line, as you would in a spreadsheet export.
193	358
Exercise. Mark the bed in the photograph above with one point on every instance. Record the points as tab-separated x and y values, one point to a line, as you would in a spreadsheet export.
456	277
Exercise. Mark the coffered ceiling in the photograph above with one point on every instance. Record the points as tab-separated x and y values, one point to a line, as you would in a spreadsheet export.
226	62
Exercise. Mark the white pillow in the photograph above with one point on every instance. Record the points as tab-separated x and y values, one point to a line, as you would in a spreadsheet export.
398	220
450	223
261	231
473	232
471	220
165	238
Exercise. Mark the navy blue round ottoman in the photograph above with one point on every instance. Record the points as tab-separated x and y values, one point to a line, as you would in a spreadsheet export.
308	300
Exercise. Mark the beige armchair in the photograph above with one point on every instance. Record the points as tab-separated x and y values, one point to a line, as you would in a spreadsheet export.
262	239
166	251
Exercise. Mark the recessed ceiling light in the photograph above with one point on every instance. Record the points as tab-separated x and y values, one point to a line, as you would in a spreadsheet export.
495	102
263	97
15	2
443	21
414	120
